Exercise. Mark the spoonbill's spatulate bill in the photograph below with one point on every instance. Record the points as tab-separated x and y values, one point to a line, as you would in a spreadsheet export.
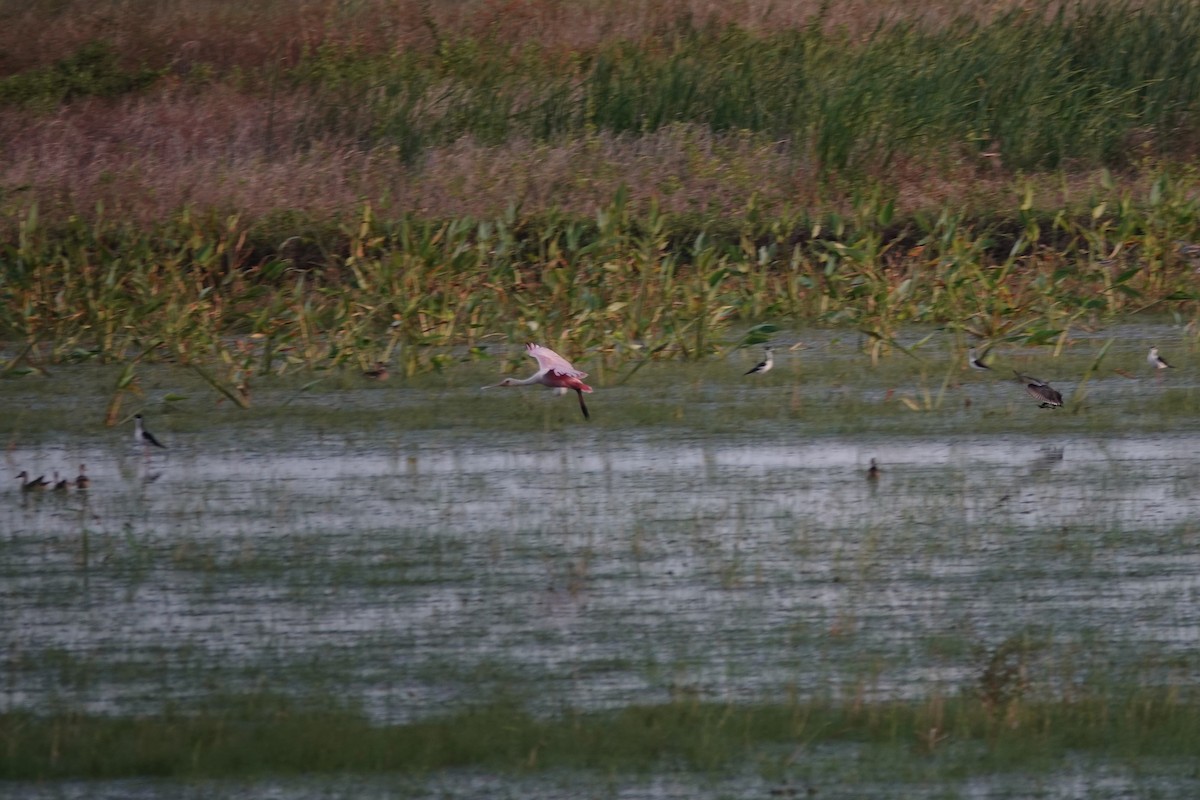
1041	391
555	372
764	365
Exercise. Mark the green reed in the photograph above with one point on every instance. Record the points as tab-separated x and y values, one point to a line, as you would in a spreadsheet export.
1043	87
210	292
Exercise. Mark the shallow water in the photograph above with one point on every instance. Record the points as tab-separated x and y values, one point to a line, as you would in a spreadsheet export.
415	572
422	574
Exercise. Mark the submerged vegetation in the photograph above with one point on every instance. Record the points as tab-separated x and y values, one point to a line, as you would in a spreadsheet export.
943	737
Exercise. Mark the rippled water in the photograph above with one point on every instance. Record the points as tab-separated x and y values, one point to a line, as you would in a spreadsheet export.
426	572
416	572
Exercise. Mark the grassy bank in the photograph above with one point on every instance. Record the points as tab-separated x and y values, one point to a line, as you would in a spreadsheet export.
466	109
942	737
385	183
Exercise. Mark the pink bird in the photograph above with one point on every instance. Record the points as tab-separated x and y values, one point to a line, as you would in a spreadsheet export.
553	371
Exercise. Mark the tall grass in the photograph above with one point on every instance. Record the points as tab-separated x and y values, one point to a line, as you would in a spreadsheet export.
619	286
663	270
1076	87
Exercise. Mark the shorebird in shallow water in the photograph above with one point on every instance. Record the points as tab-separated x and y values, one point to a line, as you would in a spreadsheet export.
31	484
976	360
555	372
1041	391
1157	361
143	436
764	365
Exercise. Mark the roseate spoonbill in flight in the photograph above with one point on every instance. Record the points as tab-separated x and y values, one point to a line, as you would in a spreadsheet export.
764	365
976	361
1041	391
143	436
555	372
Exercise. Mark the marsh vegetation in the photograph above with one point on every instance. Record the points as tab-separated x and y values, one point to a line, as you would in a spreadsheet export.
335	585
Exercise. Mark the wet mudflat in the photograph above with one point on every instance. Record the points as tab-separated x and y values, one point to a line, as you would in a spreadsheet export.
412	572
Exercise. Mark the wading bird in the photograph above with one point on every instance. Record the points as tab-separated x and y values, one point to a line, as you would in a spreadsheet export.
976	361
764	365
1041	391
555	372
143	436
82	481
1157	361
29	484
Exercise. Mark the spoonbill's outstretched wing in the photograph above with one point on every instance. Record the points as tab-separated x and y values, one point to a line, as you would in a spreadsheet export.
550	361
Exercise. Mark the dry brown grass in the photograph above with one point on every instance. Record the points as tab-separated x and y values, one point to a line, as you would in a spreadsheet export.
223	147
148	157
228	34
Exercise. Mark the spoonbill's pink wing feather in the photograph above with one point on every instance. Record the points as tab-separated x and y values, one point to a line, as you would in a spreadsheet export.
548	360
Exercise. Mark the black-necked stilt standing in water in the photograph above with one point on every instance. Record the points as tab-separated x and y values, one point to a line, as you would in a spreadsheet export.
143	436
1157	361
1041	391
31	484
555	372
82	482
976	360
764	365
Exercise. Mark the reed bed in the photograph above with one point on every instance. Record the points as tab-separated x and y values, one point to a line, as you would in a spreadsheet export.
411	189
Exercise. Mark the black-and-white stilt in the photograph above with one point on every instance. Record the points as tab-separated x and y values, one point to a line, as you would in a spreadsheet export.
764	365
976	360
1041	391
143	436
31	484
1157	361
